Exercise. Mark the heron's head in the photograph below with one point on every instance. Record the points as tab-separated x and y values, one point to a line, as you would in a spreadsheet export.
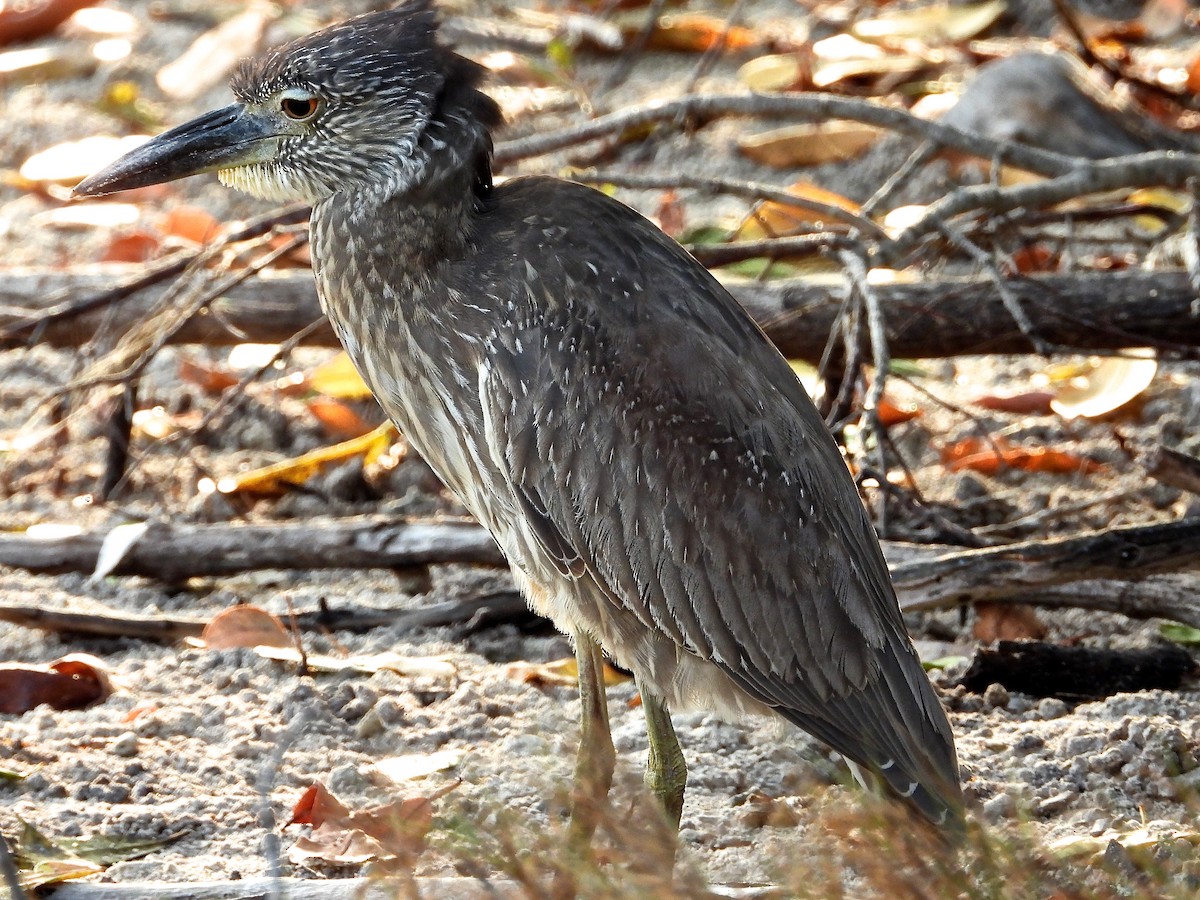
371	105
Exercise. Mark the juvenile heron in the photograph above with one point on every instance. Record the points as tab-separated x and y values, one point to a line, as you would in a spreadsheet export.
649	463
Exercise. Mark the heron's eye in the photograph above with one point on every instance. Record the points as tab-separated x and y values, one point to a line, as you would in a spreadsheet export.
299	107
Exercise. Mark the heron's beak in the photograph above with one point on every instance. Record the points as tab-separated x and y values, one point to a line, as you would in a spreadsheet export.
222	139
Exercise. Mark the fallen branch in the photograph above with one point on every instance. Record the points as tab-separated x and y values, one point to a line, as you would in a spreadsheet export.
1077	673
487	609
1124	567
175	552
926	319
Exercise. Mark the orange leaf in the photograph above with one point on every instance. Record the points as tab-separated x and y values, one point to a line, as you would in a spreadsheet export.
696	32
1028	403
210	379
244	626
338	419
984	457
73	682
1007	622
316	806
773	219
137	246
890	414
23	21
192	224
670	213
277	479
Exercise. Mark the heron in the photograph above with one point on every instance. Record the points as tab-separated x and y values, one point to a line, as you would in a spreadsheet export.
661	484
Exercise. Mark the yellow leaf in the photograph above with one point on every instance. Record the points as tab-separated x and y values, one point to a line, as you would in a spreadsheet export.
1107	384
806	145
338	378
563	672
773	219
933	24
271	481
774	72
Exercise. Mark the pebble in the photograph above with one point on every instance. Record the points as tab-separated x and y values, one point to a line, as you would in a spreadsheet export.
996	696
1002	806
1052	708
1052	806
125	744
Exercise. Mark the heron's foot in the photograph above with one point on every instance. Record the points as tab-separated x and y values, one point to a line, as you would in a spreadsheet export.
666	769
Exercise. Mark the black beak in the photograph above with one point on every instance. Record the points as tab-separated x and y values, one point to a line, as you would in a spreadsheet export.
222	139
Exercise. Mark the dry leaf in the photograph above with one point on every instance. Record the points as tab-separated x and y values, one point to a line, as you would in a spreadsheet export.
115	547
35	18
278	479
75	681
774	72
1029	403
559	672
697	32
1007	622
90	215
337	419
213	55
773	219
831	72
409	666
136	246
192	223
809	144
418	765
338	378
1108	384
890	414
316	805
937	23
990	457
210	379
70	162
244	626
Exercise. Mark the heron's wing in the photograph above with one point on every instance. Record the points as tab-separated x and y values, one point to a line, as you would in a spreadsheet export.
655	438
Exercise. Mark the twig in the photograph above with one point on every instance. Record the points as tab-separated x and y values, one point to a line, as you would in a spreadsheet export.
804	106
632	51
715	255
1166	168
709	57
754	190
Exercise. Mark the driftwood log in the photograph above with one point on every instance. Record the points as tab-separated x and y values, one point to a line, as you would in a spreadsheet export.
927	319
1077	673
1141	571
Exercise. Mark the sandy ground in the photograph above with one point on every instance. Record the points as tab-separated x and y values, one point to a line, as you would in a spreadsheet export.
197	744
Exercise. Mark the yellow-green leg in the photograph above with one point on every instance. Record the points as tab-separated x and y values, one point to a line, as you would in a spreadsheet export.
666	769
596	759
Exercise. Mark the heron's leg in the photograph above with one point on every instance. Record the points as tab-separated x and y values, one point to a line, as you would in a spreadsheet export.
666	769
594	765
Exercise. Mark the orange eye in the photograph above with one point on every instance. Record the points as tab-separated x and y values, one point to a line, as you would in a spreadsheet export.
299	108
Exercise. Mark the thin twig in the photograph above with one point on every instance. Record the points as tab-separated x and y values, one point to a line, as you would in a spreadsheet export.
805	106
754	190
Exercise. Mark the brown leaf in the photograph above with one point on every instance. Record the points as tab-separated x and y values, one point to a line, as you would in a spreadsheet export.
988	458
809	144
338	419
890	414
669	215
244	626
136	246
1007	622
192	223
697	32
210	379
73	682
316	806
774	219
212	55
1029	403
24	21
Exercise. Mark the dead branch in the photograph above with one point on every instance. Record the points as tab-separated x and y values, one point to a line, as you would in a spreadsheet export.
927	319
485	609
1077	673
177	551
1115	559
805	107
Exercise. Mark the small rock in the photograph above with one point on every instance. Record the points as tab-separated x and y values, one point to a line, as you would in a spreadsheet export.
1028	743
1002	806
996	696
1052	806
125	744
1052	708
